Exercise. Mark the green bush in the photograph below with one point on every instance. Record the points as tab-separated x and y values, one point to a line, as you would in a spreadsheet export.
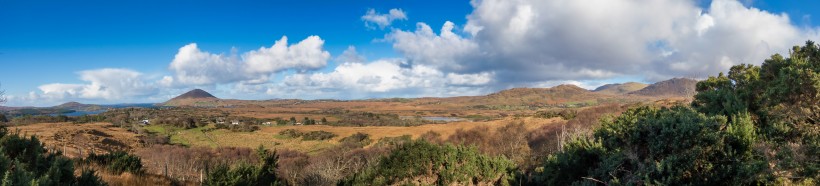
565	114
24	161
393	141
423	163
359	139
118	162
782	98
263	173
660	146
318	135
291	133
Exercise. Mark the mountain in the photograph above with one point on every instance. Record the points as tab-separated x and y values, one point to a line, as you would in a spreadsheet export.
560	94
674	87
620	88
79	106
196	97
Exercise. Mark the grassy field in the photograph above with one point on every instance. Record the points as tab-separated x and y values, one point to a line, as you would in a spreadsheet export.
75	136
270	138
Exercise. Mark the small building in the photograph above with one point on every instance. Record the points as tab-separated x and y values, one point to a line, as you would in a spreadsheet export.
267	123
234	122
145	122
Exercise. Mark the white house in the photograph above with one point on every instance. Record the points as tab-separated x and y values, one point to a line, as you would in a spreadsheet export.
234	122
145	122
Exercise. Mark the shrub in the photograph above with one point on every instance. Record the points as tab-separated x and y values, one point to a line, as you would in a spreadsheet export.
659	146
264	173
393	141
24	161
118	162
359	139
318	135
434	164
565	114
291	133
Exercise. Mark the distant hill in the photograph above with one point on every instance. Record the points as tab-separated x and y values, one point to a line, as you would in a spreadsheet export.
682	87
79	106
562	94
620	88
196	97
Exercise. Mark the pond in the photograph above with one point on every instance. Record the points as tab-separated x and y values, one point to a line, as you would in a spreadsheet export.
435	118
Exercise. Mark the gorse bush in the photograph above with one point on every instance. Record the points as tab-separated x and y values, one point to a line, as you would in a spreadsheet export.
756	126
118	162
318	135
423	163
24	161
290	133
565	114
659	146
264	173
359	139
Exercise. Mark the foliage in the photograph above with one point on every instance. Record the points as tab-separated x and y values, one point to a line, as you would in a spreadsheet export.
24	161
264	173
290	133
782	97
359	139
421	162
318	135
393	141
373	119
565	114
660	146
118	162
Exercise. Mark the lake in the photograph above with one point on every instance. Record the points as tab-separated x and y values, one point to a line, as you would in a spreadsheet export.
435	118
79	113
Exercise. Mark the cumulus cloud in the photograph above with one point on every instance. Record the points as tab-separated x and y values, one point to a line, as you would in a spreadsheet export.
445	50
381	78
106	84
192	66
382	20
525	41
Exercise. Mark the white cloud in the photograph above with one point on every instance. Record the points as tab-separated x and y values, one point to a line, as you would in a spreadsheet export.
192	66
525	41
381	78
383	20
104	84
470	79
446	50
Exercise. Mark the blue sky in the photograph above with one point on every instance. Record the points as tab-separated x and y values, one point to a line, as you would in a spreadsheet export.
105	51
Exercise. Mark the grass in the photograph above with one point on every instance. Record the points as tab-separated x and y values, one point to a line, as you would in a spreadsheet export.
185	137
269	136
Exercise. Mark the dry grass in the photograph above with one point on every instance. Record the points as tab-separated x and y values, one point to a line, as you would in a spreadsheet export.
74	139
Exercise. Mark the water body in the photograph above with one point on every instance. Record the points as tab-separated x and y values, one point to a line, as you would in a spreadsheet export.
434	118
79	113
442	118
83	113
